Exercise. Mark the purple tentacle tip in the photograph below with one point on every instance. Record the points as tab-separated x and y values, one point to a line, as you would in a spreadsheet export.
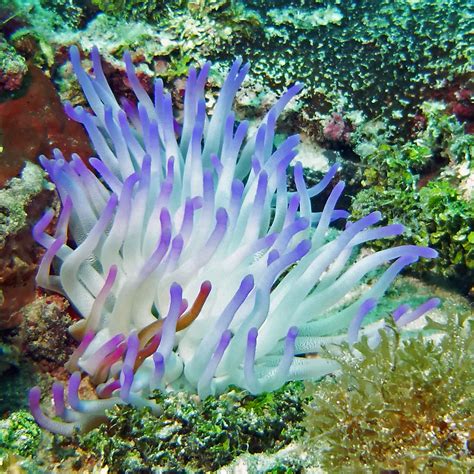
292	334
365	308
34	398
410	316
126	380
58	399
178	198
73	391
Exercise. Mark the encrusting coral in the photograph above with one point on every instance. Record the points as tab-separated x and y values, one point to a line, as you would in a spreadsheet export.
199	211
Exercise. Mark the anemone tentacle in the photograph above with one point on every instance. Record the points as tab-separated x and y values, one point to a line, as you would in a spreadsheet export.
199	215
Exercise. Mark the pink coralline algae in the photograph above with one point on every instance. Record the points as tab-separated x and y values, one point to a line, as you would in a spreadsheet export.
337	129
193	266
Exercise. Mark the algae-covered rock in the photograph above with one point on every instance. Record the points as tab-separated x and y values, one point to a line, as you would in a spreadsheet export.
44	332
426	184
22	202
15	199
19	434
12	68
194	436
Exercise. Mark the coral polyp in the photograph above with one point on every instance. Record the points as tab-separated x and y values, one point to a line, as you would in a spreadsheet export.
192	264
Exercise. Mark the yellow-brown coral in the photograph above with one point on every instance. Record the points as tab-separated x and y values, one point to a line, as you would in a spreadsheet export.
405	405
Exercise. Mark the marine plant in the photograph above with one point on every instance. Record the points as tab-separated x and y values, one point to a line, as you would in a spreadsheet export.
198	211
404	406
19	435
137	9
190	436
425	183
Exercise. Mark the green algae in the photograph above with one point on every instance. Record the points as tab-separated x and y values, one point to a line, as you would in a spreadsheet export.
382	57
198	436
437	212
19	435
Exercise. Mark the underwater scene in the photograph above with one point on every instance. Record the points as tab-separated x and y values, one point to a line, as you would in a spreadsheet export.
236	236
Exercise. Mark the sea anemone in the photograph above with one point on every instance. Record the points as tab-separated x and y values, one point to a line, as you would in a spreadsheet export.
199	211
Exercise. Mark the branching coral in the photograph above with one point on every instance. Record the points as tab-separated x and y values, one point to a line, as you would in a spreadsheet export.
198	211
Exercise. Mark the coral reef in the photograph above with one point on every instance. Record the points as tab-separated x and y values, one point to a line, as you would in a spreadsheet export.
189	16
420	46
72	13
191	436
34	47
45	17
404	406
369	67
337	50
325	46
167	45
